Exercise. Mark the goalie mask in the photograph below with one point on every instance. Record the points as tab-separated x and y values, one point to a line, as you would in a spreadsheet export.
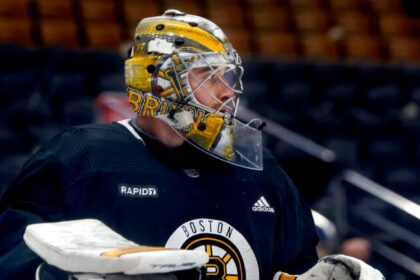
183	70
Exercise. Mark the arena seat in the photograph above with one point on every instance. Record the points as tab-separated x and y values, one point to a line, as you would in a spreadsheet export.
230	16
354	22
62	59
17	58
280	72
133	11
342	95
17	85
59	33
110	82
312	21
14	8
105	35
345	5
269	17
278	44
62	9
306	4
403	49
294	95
363	47
346	148
337	73
105	61
241	40
65	88
103	11
384	154
383	98
320	46
77	112
404	180
385	6
188	6
395	25
15	30
370	74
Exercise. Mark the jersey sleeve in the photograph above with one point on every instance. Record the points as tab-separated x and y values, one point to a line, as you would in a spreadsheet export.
36	195
296	235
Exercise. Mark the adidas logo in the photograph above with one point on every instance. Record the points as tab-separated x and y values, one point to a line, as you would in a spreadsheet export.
262	206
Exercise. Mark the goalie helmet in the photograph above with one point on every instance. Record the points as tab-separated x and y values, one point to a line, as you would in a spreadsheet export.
183	70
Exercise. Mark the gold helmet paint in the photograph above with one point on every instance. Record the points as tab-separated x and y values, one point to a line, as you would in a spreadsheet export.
162	82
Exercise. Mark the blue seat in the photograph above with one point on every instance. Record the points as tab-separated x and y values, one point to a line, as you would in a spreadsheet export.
17	58
102	62
367	124
342	95
410	76
256	94
65	87
256	70
415	95
385	154
77	112
333	73
111	82
58	60
16	85
282	71
384	97
403	180
376	74
347	150
105	71
294	95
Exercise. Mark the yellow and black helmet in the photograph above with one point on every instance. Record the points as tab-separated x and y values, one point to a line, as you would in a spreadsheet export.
173	58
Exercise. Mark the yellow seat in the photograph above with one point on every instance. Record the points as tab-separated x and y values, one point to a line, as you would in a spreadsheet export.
16	31
59	33
277	44
104	35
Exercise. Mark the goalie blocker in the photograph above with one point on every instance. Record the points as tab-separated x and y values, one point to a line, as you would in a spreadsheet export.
49	272
88	249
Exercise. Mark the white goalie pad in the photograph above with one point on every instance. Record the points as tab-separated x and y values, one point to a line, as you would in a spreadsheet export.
89	246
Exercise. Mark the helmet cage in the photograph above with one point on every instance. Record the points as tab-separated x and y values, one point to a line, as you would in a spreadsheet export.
171	80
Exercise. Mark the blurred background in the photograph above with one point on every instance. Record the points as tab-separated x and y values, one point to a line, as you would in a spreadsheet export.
337	81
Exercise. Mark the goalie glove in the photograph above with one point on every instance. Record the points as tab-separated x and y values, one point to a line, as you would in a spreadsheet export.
336	267
49	272
90	247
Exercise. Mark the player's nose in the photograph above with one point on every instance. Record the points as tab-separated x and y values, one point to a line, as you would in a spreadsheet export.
224	93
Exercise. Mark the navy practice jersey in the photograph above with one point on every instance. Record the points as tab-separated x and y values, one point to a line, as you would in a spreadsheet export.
251	223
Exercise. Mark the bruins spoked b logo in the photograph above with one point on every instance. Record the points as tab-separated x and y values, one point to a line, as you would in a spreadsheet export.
230	256
225	261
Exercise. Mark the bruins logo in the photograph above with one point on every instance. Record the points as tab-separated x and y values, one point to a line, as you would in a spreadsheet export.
225	262
230	256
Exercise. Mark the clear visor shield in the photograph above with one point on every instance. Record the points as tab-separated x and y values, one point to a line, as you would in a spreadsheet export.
213	83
